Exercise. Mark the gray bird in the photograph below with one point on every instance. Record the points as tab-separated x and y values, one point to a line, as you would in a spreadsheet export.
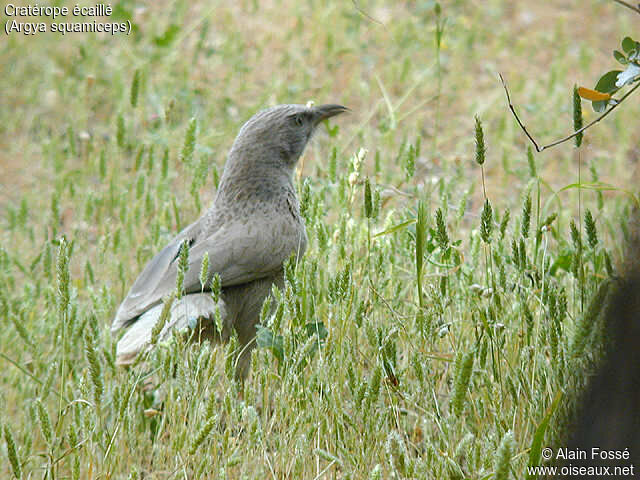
253	226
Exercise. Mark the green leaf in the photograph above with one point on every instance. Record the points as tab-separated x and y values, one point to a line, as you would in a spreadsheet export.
628	44
395	228
600	186
620	57
562	262
607	82
266	339
538	436
332	131
600	106
167	37
318	328
421	232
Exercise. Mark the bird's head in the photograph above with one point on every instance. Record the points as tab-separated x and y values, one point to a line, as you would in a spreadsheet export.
277	136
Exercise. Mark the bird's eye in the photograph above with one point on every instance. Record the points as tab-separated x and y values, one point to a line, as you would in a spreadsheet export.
298	120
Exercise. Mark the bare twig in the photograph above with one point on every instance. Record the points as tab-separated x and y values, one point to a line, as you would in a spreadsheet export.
577	132
628	5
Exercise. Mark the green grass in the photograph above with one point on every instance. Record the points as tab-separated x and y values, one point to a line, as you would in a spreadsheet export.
459	323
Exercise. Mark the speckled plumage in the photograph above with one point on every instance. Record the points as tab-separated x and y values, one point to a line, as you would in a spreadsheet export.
253	226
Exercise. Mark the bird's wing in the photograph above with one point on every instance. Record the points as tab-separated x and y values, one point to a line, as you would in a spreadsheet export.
239	251
140	297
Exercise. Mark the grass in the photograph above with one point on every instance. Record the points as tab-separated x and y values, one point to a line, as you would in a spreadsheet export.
460	304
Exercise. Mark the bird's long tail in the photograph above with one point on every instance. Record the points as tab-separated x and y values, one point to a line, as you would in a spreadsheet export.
194	312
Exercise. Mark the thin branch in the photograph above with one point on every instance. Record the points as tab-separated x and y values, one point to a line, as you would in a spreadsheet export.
506	90
33	377
628	5
365	14
577	132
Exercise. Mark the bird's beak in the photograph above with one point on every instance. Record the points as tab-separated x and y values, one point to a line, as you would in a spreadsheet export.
322	112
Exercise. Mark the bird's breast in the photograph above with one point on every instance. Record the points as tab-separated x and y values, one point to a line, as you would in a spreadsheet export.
273	218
